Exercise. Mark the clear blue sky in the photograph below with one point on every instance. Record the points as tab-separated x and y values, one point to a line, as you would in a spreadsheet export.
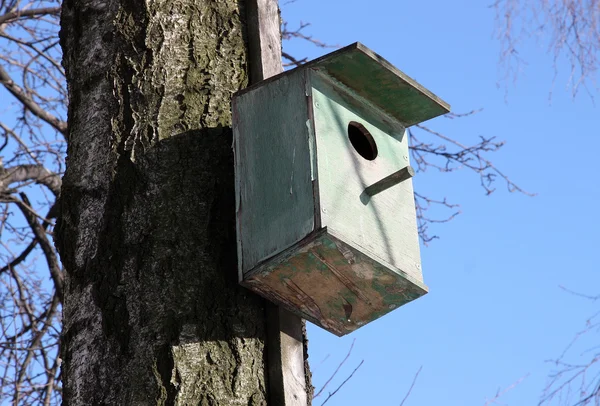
495	311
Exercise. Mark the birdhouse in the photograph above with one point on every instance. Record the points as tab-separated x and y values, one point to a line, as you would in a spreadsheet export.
326	220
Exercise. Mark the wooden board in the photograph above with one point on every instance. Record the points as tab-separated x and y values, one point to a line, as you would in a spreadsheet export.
287	377
378	81
273	170
264	39
333	284
384	225
285	356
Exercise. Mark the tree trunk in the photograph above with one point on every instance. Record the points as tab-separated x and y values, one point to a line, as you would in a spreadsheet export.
152	311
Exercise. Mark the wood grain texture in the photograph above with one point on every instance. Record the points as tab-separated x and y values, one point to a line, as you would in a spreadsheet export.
289	373
391	180
333	284
264	39
285	354
273	170
378	82
383	225
367	260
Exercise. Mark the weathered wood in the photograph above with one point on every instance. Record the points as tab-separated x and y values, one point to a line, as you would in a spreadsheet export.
397	177
359	258
273	168
377	81
333	284
287	367
287	380
264	39
384	225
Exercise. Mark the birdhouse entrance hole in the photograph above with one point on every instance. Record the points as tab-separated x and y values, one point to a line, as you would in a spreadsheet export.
362	140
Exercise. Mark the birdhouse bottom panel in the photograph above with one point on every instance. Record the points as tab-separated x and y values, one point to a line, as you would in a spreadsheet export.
332	284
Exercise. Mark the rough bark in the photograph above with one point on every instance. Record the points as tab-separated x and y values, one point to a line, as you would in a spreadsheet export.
152	312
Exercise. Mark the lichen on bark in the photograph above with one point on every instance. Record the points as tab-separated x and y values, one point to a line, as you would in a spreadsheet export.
153	313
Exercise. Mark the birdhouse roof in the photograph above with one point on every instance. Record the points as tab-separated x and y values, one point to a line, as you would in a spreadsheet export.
381	83
369	75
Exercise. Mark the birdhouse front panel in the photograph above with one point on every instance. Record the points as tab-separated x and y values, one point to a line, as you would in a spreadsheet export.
326	218
355	149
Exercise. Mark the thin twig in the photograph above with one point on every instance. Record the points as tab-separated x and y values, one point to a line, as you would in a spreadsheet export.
412	385
500	393
342	384
336	370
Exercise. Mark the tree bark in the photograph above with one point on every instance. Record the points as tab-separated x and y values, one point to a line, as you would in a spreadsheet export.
152	310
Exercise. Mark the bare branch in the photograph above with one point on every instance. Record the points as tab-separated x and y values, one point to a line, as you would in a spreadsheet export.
293	61
287	34
412	385
343	383
30	104
468	157
590	297
47	247
336	370
572	379
502	392
35	173
423	204
431	149
21	257
572	28
32	12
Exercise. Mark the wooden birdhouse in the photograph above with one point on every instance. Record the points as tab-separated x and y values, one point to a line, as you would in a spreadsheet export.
326	221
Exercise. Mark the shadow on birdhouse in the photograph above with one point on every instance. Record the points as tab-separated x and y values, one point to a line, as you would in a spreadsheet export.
326	221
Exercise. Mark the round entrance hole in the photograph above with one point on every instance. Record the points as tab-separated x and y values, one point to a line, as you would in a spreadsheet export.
362	140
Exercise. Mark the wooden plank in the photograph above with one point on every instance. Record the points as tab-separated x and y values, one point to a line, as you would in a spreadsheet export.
333	284
285	350
275	197
384	225
264	39
285	345
379	82
397	177
384	85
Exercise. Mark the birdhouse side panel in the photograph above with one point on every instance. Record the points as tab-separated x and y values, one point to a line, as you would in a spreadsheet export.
274	194
384	225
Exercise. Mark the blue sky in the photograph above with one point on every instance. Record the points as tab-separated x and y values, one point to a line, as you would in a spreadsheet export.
495	312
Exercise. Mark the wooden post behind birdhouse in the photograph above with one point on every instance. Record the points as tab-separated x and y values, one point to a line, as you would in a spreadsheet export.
284	341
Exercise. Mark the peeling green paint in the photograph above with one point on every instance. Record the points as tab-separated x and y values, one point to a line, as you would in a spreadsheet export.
341	296
297	172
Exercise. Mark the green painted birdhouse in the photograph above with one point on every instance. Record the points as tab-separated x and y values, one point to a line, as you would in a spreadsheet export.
326	221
